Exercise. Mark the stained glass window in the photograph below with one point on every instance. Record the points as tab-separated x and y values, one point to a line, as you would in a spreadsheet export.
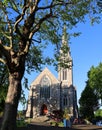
45	87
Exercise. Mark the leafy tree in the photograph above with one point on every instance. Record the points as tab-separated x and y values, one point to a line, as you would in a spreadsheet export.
23	24
92	91
88	102
98	113
95	80
99	3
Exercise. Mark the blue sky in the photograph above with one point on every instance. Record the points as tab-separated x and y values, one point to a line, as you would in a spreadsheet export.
86	50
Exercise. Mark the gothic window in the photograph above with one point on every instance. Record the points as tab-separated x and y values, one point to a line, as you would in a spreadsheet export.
64	74
45	87
65	100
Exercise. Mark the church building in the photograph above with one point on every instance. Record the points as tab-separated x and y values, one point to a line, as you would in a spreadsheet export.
48	93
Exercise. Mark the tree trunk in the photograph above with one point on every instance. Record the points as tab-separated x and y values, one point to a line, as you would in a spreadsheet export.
11	103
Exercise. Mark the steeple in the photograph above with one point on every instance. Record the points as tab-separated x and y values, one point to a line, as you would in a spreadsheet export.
65	65
65	49
64	36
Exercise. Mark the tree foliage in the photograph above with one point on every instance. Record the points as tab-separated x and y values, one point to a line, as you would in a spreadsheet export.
95	80
25	28
98	113
92	94
99	3
88	102
43	19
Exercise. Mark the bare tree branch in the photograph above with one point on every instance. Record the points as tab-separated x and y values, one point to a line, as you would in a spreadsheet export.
54	5
38	41
37	27
10	37
14	6
19	19
47	16
25	50
33	5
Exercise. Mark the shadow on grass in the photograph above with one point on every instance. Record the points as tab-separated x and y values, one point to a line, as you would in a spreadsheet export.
40	127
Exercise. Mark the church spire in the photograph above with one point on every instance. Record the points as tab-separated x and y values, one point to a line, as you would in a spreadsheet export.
65	62
65	49
64	36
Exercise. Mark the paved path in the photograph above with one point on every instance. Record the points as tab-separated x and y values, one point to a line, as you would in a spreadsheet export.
75	127
87	127
43	123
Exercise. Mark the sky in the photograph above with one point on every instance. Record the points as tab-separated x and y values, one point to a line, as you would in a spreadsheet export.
86	51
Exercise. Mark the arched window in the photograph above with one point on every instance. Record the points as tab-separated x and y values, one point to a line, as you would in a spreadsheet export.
65	100
64	74
45	87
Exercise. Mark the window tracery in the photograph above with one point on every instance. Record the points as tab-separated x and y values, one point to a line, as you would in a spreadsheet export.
45	87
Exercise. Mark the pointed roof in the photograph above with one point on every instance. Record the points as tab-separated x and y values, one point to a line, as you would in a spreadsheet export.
65	49
45	72
64	36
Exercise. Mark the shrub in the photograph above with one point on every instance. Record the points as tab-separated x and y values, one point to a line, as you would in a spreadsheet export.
21	123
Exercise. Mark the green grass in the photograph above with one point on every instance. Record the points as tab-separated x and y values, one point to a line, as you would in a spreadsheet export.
59	124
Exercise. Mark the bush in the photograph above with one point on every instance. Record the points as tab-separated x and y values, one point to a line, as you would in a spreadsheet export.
21	123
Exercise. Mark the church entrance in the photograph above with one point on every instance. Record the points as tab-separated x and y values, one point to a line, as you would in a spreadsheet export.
44	110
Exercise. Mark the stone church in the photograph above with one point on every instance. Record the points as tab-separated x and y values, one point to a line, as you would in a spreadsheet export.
48	94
